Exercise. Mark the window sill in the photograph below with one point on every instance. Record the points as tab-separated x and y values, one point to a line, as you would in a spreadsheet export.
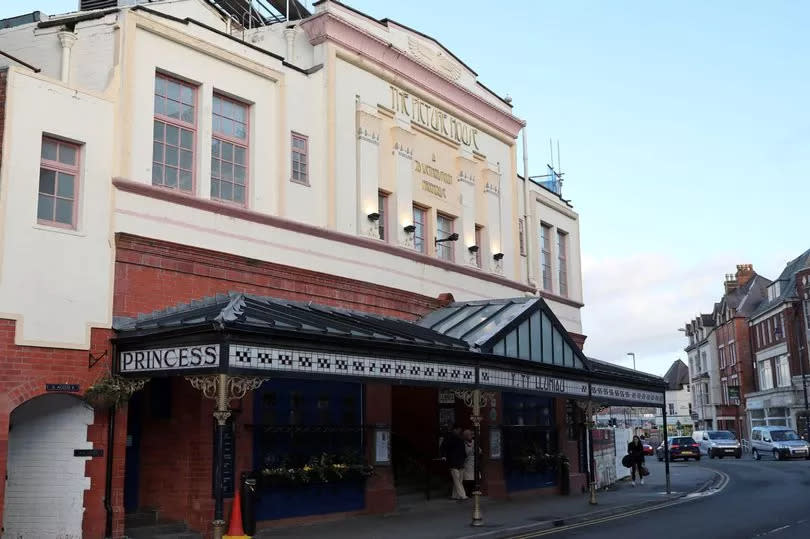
299	182
59	230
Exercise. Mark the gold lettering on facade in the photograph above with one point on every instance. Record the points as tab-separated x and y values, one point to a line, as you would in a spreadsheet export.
432	118
434	189
433	172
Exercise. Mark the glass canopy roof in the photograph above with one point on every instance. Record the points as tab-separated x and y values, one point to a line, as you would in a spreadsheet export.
520	328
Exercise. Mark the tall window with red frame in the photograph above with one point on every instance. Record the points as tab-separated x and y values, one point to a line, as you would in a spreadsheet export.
58	183
419	222
229	151
174	134
479	240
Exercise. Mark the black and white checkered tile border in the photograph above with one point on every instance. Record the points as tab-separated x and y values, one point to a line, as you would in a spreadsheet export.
533	382
276	359
626	394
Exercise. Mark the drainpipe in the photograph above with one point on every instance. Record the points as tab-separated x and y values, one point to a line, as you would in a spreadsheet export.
528	230
289	35
67	39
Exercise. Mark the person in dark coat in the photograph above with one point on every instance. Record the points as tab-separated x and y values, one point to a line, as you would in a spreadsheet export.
455	453
636	451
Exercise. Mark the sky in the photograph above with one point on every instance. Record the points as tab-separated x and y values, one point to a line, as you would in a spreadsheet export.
684	132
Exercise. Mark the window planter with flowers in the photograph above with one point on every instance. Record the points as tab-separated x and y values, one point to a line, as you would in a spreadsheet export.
319	470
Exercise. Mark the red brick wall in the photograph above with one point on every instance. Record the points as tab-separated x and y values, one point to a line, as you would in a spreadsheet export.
176	454
152	275
24	371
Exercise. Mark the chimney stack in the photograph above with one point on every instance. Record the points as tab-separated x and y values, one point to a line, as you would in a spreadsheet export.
744	273
730	283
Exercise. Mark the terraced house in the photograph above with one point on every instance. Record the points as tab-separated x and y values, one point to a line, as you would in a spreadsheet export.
261	236
779	341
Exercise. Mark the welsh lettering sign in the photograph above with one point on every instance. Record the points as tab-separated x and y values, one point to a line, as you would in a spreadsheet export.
88	452
205	356
67	388
533	382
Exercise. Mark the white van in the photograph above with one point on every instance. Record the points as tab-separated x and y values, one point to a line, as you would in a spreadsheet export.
718	443
778	442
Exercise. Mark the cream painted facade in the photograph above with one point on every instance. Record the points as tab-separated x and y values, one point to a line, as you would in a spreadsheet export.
410	122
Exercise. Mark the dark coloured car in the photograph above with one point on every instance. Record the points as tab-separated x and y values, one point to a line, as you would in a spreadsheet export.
680	447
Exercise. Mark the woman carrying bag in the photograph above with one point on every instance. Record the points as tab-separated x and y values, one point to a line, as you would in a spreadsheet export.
635	450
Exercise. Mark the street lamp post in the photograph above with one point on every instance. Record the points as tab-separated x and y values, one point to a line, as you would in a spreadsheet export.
634	359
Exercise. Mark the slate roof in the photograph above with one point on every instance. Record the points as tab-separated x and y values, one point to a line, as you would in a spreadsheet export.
787	284
247	311
618	372
677	376
746	298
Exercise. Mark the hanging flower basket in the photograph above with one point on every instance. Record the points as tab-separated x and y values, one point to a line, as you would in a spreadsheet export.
109	391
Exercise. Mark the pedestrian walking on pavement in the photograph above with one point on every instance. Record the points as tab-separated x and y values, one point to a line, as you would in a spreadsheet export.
469	461
636	451
454	453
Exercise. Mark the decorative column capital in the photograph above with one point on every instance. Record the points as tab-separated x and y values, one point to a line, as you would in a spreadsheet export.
67	39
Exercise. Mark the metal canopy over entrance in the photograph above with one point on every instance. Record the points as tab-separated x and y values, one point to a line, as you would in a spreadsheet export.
511	345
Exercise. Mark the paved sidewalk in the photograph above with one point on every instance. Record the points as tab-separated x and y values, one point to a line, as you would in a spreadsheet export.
446	519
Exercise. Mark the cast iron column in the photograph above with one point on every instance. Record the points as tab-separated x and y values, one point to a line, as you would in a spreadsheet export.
221	414
477	520
666	443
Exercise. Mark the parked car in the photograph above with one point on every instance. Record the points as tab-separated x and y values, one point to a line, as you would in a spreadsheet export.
680	447
648	449
718	443
778	442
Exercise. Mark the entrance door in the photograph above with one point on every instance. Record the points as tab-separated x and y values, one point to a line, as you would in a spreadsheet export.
415	440
132	467
46	483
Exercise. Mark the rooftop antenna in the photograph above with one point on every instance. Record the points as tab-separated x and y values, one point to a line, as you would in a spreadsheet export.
559	166
551	151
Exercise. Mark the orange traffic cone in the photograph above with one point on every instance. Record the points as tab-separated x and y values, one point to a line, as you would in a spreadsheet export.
235	530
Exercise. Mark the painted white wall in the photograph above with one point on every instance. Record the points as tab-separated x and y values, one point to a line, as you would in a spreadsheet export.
548	209
46	483
118	142
425	50
92	54
56	282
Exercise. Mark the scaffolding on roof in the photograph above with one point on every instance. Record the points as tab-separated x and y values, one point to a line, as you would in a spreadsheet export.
256	13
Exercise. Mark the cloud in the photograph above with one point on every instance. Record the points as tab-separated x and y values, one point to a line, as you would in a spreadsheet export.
637	303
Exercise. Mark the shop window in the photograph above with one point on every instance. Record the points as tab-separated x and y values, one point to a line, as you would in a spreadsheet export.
174	133
58	183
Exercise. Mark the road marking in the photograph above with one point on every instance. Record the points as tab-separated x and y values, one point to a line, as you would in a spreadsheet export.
779	529
540	533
